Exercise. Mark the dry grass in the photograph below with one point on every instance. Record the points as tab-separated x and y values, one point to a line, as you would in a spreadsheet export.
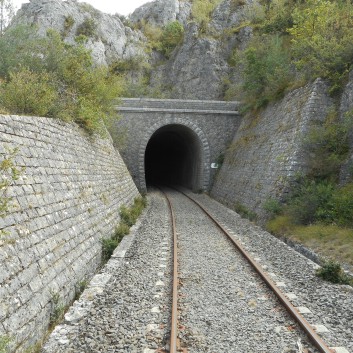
330	241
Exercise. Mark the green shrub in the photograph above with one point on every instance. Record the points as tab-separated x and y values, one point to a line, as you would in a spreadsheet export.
50	77
68	24
272	207
108	247
29	93
280	225
57	311
322	35
125	65
327	147
311	201
332	272
342	204
87	28
202	10
245	212
267	71
278	16
128	218
153	34
80	287
121	230
172	36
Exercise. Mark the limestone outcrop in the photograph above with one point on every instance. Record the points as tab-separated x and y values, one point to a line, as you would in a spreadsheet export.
161	12
107	37
199	67
196	69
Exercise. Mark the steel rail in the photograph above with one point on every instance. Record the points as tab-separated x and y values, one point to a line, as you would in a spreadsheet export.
313	336
174	318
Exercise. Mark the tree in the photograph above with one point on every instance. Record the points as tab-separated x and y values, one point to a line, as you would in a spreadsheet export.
322	37
7	11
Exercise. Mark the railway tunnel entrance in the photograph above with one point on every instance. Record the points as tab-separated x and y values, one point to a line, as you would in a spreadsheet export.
174	156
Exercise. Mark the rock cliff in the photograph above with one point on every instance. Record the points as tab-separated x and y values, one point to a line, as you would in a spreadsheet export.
107	37
197	68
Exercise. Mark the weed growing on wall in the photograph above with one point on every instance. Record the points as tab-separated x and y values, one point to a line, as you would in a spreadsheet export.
4	343
57	310
9	173
128	217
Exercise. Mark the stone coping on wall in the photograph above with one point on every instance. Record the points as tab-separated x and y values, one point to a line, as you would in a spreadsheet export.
180	105
182	111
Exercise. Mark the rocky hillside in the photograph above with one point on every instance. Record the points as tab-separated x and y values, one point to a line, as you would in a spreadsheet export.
196	69
107	37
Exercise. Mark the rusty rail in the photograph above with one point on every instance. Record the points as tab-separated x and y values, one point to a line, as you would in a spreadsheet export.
174	318
313	336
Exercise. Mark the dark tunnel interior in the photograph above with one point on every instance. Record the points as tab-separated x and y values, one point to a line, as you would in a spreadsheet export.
172	157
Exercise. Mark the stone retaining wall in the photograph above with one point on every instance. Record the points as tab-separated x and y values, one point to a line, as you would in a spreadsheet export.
267	153
346	108
66	199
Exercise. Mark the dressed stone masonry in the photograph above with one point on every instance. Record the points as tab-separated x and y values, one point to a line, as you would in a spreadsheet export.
211	123
267	151
346	110
66	199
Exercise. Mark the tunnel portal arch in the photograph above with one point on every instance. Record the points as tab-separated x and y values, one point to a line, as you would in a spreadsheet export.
196	150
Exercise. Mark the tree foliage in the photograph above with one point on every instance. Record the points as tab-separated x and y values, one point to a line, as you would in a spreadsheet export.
322	37
267	70
316	41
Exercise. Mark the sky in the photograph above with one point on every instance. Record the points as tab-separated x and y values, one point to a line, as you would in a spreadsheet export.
122	7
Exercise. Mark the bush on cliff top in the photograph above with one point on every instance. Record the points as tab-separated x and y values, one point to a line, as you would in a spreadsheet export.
45	76
316	37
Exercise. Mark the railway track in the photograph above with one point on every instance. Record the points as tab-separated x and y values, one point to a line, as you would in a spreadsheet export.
176	343
221	305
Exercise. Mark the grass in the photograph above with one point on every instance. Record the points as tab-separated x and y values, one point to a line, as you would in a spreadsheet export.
128	217
330	241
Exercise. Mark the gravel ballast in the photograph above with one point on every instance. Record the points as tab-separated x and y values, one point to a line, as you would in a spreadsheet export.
330	305
128	314
223	305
